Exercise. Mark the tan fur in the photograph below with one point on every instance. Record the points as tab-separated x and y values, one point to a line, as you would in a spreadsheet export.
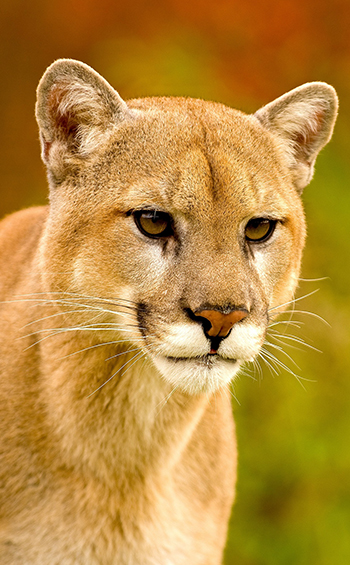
116	434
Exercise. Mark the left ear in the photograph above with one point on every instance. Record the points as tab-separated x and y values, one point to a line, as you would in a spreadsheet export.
76	110
303	121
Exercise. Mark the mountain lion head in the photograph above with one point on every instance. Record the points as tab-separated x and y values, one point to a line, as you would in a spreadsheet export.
183	216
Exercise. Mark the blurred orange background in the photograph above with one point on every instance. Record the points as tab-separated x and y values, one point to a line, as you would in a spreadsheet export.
293	495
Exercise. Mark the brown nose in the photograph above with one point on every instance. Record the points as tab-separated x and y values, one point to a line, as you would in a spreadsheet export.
221	324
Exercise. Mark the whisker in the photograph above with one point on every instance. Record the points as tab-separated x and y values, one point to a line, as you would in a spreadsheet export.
314	280
279	348
294	300
165	400
77	305
113	301
278	362
93	307
262	354
51	316
82	306
137	356
287	322
231	392
294	338
99	345
303	312
87	327
58	331
257	368
122	353
284	344
246	371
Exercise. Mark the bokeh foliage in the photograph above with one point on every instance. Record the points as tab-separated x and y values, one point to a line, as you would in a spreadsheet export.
293	495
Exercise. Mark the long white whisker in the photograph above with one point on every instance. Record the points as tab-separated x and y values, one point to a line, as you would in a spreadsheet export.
279	348
257	368
294	338
288	323
59	331
138	356
165	400
122	353
294	300
79	296
100	345
92	307
314	280
63	312
246	371
278	362
231	392
303	312
263	355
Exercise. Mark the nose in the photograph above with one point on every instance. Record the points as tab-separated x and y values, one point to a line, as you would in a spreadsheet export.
217	324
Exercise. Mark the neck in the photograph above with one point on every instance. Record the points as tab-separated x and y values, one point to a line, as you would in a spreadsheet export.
114	414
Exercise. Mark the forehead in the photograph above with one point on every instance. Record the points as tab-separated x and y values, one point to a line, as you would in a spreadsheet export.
228	178
191	156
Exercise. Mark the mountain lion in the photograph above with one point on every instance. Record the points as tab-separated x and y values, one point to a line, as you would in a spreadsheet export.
174	233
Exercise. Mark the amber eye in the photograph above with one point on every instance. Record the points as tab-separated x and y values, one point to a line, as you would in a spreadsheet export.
154	223
259	229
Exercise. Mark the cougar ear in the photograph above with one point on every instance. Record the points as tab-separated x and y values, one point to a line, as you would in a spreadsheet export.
76	109
303	121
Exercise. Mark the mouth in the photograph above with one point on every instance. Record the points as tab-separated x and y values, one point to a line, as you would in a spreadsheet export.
197	374
208	360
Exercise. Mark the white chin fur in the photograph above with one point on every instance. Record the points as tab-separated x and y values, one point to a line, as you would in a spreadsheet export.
195	376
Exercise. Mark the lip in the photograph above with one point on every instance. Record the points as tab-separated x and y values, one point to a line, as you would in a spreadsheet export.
206	360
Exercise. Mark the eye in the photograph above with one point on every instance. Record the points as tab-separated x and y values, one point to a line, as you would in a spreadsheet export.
153	223
259	229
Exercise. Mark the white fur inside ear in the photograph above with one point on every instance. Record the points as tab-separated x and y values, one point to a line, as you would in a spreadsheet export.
82	103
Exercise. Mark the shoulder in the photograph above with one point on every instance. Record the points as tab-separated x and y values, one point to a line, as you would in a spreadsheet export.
20	234
23	223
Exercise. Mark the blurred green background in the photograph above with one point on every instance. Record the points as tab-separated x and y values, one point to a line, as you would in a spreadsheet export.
293	495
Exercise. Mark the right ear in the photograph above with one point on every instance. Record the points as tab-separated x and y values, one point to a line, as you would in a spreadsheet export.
302	120
76	109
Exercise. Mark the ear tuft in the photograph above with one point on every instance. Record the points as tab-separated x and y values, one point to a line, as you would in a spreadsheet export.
76	109
303	121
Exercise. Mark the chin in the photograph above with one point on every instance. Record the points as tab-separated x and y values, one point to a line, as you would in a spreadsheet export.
197	375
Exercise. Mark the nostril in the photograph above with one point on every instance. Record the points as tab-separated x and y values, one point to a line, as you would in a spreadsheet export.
207	325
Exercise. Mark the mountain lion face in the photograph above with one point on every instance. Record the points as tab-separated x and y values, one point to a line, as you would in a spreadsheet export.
186	212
